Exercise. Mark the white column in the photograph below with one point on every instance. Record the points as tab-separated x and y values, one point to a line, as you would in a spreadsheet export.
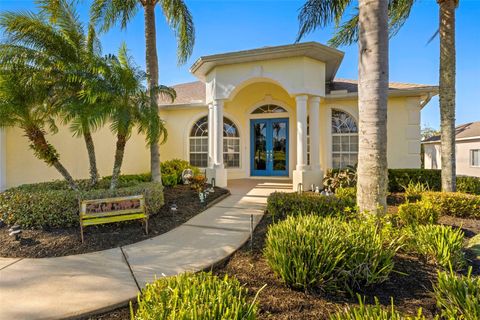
314	110
211	136
3	159
218	129
301	132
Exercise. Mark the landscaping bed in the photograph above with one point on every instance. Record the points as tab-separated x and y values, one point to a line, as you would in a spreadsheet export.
57	242
410	285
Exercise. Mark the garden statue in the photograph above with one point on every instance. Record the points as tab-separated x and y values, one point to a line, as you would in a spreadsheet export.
187	176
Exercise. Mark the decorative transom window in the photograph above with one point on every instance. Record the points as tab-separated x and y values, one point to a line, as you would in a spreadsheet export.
344	140
199	144
269	108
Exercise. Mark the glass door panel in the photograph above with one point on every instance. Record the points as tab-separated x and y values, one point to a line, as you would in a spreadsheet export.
279	152
259	147
269	146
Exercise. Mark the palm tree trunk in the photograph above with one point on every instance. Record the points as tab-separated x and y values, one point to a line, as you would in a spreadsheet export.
87	136
117	166
152	71
372	100
447	93
46	152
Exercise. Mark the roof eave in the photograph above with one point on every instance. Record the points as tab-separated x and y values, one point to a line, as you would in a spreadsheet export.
433	90
205	64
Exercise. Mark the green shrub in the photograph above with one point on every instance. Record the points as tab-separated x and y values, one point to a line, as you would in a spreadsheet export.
421	212
414	190
442	245
455	204
345	178
373	312
397	178
175	168
458	296
328	253
169	180
347	194
469	185
281	205
201	296
46	205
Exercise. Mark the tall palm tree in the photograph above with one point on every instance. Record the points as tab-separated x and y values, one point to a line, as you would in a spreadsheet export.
109	12
27	101
55	41
129	105
372	90
399	11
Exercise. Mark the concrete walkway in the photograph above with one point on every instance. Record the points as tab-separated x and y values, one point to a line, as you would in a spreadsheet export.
67	287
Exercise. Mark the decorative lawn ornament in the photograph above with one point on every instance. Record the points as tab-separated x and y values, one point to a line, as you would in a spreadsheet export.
201	195
15	231
187	176
173	209
317	189
300	188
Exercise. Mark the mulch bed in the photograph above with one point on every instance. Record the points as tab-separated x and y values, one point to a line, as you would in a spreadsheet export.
410	285
62	242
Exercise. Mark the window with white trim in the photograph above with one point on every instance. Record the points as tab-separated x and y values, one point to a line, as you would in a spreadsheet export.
344	139
475	158
199	144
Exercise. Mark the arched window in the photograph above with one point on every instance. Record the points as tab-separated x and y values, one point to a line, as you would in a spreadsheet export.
344	139
269	108
199	143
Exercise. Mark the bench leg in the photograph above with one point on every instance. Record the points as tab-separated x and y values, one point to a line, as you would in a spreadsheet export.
81	232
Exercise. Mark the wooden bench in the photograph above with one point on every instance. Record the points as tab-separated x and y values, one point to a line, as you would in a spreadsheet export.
101	211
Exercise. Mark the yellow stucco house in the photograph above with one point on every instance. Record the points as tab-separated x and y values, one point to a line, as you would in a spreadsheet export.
268	112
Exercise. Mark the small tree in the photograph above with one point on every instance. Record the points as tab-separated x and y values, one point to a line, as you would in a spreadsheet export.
110	12
56	43
129	105
27	101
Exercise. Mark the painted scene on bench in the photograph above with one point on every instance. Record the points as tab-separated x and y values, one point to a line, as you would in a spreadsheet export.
104	207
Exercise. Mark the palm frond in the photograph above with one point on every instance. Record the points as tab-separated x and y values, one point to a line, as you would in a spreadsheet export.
107	13
346	33
180	20
320	13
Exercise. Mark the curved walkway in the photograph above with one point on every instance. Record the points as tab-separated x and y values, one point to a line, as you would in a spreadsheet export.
73	286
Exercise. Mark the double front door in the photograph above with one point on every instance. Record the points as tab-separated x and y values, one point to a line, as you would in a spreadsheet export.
269	147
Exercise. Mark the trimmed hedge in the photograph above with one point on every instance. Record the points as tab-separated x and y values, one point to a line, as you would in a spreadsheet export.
200	296
53	205
397	178
310	252
454	204
280	205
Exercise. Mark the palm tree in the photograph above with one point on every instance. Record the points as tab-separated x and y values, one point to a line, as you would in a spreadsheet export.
399	11
372	90
27	101
55	41
129	105
109	12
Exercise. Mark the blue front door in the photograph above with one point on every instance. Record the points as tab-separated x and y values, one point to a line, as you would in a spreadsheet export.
269	147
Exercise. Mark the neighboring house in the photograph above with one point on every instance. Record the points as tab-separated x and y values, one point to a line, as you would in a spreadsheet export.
467	140
268	112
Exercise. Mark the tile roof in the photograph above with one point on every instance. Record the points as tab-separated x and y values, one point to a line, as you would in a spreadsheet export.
187	93
194	92
463	131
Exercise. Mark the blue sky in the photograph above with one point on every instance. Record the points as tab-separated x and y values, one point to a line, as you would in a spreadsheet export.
225	25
